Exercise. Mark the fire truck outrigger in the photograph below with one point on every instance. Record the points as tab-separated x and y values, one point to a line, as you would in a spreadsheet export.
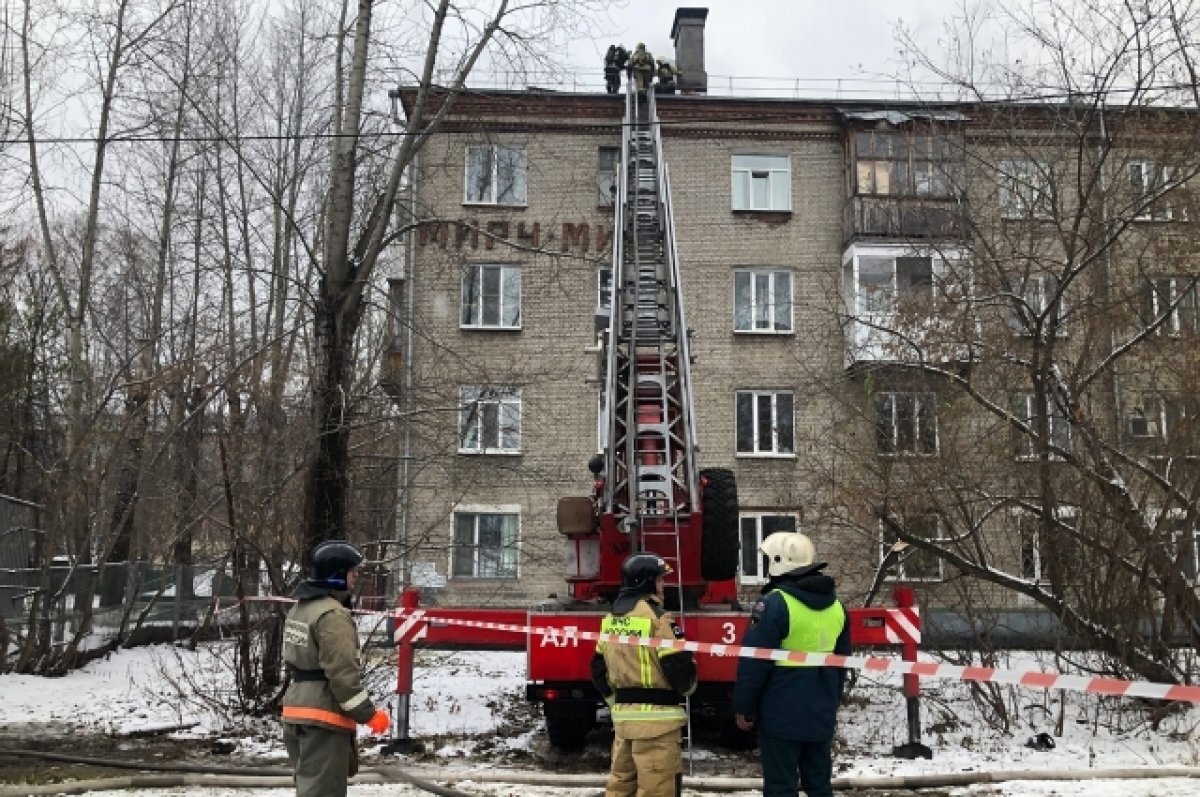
648	492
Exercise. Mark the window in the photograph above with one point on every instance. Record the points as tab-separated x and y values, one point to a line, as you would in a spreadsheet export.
762	301
1025	410
914	564
1161	418
762	182
1169	302
604	287
1037	548
887	284
395	319
906	423
1025	190
1035	295
764	423
495	175
607	159
905	163
756	527
489	420
485	543
1150	183
491	296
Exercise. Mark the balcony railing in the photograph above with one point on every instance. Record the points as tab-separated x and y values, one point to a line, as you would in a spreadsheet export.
908	338
904	217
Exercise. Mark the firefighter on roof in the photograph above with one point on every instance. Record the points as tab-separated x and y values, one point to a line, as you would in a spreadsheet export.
645	686
793	706
325	702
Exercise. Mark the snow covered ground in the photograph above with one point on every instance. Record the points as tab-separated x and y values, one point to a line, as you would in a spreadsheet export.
468	708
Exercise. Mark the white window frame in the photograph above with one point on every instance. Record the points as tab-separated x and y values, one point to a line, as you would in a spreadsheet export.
757	517
1151	196
896	294
776	172
898	572
1181	295
765	301
1024	188
1037	295
921	400
511	570
491	195
1059	427
472	310
604	278
475	402
606	180
776	444
1029	538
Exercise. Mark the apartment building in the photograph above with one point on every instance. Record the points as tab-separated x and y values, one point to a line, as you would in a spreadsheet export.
973	325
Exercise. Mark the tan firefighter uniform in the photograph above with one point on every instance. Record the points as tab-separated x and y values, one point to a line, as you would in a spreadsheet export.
326	701
647	710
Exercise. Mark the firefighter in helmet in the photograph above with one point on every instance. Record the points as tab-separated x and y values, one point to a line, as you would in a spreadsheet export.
644	686
326	701
793	706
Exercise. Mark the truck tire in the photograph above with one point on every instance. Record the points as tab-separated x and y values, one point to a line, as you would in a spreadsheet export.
719	541
568	722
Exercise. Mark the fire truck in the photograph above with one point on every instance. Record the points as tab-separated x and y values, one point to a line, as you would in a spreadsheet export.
648	492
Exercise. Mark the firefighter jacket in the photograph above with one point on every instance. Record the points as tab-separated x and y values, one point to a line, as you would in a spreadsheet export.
320	647
789	700
644	685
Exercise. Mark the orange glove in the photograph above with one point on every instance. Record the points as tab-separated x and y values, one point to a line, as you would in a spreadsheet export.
380	722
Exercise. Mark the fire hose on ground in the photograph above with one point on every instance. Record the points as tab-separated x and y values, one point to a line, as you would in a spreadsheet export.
175	775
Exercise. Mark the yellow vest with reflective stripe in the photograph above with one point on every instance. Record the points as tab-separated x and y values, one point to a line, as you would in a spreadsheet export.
811	630
638	666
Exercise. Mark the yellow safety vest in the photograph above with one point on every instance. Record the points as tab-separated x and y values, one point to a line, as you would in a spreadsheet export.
811	630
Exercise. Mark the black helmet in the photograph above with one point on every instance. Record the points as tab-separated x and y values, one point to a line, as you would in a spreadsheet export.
640	571
332	560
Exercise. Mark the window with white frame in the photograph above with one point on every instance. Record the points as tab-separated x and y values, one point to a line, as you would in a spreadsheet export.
761	182
756	527
1163	419
491	296
485	542
765	422
1034	296
495	175
489	420
1150	183
906	423
1038	541
604	278
1169	304
913	563
762	300
889	283
1024	188
607	159
1026	410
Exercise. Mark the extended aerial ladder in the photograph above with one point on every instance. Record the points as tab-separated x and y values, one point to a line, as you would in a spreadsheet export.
650	496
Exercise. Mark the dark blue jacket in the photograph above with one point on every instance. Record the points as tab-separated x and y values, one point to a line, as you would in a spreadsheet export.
797	703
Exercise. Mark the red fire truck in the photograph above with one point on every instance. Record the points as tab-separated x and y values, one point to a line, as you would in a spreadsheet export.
648	493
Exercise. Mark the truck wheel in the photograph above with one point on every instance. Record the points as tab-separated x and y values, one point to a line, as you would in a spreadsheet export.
568	722
719	543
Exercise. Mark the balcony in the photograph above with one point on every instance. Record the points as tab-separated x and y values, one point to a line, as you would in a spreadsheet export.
904	217
904	304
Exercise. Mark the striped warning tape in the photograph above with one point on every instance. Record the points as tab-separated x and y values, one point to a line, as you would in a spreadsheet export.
1031	678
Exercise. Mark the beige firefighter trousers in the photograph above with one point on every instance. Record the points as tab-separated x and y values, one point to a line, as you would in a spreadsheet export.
645	767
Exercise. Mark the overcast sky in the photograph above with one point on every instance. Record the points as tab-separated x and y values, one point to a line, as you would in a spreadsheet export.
817	42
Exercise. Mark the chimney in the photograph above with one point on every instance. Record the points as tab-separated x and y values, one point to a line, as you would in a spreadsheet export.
688	34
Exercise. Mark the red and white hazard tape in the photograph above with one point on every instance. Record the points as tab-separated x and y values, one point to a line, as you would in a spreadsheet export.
1031	678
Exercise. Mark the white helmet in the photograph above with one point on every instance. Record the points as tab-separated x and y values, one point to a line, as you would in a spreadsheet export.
787	551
